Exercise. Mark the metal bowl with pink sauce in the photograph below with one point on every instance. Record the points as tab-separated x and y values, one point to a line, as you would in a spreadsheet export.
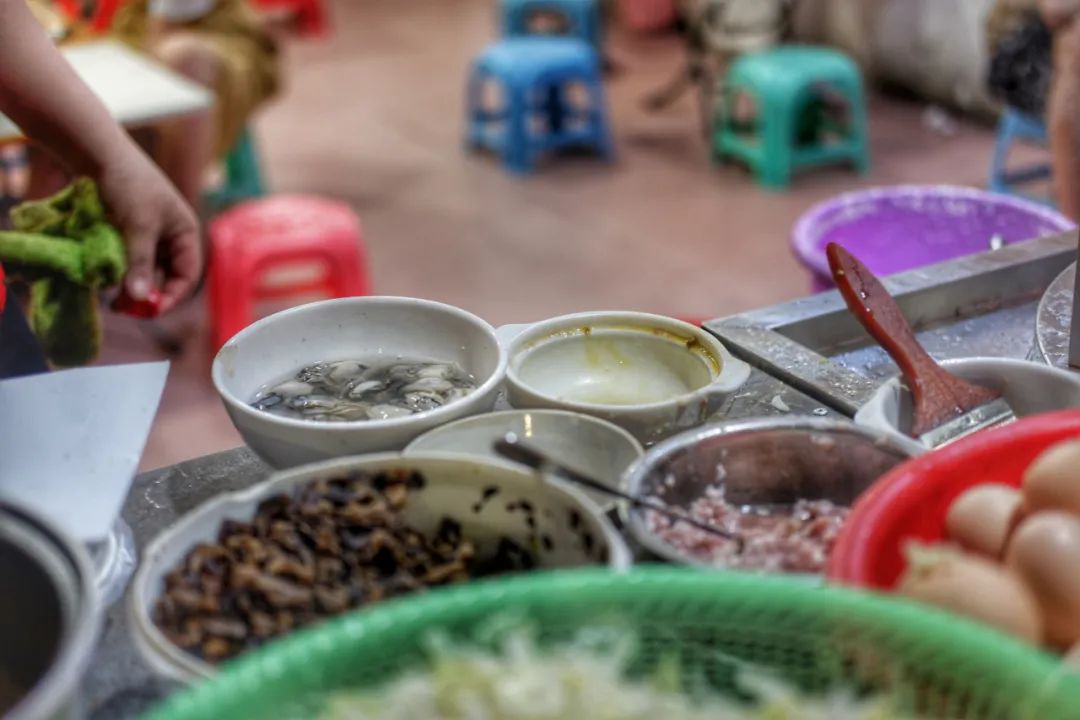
784	485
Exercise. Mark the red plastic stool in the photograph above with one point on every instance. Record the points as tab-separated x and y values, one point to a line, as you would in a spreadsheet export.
311	15
101	19
272	234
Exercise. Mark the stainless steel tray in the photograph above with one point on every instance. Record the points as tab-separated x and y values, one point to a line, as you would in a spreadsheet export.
982	304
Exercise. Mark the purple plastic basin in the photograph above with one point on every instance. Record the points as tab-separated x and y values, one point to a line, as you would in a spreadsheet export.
898	228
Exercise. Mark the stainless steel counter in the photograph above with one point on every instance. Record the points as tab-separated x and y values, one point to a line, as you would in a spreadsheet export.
809	356
120	685
983	304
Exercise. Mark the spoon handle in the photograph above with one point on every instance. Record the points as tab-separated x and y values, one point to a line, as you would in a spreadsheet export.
937	395
516	451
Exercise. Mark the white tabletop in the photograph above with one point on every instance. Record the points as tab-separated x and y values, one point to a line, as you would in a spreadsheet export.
136	89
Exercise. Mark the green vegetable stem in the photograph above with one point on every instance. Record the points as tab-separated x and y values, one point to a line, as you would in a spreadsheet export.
66	248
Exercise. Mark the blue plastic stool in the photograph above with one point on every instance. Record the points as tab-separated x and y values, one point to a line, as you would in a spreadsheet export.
534	73
582	16
1015	126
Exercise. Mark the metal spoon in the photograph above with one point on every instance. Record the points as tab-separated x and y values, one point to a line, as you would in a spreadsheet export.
511	448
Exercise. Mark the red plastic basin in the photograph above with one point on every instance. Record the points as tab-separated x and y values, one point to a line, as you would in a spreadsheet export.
910	502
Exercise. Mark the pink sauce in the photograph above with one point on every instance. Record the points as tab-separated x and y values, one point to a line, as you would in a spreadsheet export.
795	538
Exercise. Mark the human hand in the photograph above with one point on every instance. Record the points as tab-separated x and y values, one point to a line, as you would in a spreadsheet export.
160	230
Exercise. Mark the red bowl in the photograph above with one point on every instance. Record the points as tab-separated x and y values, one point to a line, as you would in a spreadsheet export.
910	502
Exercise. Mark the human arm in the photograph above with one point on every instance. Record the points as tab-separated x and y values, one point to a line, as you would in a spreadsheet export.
1058	13
42	94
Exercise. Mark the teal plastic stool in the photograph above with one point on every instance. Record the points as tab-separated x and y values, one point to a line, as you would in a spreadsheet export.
791	87
242	178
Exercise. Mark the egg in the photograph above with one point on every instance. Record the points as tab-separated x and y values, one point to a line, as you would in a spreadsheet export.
1052	482
1045	552
972	586
982	518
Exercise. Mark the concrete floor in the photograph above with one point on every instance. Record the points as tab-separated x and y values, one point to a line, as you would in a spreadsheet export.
373	115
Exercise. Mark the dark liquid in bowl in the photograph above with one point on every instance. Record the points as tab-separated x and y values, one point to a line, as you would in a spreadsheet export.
10	693
351	390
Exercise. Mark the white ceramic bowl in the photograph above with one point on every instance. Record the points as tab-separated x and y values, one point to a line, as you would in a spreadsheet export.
648	374
366	328
1030	388
457	487
592	446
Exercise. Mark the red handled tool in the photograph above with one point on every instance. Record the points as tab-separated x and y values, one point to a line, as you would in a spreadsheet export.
944	407
145	309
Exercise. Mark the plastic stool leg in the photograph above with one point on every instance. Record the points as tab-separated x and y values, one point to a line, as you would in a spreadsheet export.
243	176
859	135
242	167
719	125
1003	140
474	109
601	131
312	17
778	118
104	14
548	99
517	153
346	260
511	22
596	31
230	301
347	277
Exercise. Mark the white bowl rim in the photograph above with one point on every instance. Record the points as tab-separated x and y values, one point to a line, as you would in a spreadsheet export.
1033	365
868	413
898	383
496	378
449	427
544	329
169	658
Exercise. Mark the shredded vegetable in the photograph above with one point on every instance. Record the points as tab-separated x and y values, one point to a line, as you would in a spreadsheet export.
574	683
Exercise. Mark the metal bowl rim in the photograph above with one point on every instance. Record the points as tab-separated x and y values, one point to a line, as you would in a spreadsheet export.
633	519
54	690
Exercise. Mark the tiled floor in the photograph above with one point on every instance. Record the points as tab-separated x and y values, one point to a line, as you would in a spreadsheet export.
373	116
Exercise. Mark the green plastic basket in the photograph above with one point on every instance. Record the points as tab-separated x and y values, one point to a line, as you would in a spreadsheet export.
712	623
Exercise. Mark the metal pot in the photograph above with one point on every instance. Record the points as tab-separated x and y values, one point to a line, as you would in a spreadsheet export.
49	619
768	461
